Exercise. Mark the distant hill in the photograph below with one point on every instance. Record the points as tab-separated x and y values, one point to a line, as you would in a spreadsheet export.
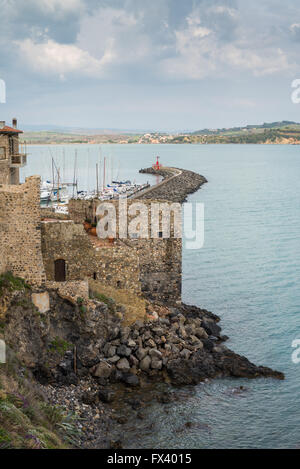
271	125
283	132
80	130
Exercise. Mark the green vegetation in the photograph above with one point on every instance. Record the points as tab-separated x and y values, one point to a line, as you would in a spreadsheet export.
60	346
94	295
26	420
82	307
274	132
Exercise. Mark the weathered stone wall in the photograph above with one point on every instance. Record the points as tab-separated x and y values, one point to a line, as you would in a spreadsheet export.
50	213
116	265
20	235
160	268
71	290
4	163
82	210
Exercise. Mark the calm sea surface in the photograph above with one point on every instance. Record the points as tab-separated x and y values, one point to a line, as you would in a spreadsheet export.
248	273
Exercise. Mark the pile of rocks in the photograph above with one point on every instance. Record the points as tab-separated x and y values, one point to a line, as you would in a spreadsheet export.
187	344
73	341
174	189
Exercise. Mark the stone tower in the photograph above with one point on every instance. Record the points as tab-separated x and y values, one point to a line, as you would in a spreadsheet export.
11	159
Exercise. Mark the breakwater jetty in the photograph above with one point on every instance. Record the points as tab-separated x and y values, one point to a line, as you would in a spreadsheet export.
177	184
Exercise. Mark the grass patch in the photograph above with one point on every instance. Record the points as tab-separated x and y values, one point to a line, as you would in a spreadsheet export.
135	306
60	346
28	422
11	283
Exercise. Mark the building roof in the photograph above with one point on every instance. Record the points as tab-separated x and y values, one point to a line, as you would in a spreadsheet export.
10	130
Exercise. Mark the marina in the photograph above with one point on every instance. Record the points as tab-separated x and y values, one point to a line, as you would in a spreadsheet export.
55	193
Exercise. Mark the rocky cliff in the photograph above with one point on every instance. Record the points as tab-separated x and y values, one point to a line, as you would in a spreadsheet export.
84	345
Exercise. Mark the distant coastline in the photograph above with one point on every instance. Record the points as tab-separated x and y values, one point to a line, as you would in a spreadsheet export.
276	133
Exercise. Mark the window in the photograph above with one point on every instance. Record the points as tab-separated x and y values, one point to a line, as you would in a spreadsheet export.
2	153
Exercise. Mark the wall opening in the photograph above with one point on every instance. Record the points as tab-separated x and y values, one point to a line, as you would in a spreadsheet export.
60	270
95	276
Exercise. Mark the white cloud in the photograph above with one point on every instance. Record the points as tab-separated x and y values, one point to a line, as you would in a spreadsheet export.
123	29
260	64
62	59
201	52
58	6
221	9
209	41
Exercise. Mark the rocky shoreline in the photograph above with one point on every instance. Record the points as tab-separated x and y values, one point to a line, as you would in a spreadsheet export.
90	362
182	346
177	184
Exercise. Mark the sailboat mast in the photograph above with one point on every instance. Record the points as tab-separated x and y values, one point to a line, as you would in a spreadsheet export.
74	178
104	167
97	174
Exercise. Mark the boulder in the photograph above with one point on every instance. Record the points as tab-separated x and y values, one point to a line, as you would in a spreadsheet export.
158	331
133	360
182	332
185	354
114	333
102	370
154	353
156	363
123	365
109	350
141	353
190	329
201	333
138	325
194	340
208	344
124	351
125	334
145	363
130	379
147	335
211	327
106	395
113	360
165	321
131	343
151	343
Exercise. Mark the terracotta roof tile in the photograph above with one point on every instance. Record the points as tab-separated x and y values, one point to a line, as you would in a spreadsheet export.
8	130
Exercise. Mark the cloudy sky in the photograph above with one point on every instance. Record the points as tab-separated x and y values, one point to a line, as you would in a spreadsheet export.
149	64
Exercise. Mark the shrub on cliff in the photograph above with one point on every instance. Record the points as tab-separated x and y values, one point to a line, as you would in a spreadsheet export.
26	420
11	283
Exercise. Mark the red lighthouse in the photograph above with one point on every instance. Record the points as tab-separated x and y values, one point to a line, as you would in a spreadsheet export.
157	166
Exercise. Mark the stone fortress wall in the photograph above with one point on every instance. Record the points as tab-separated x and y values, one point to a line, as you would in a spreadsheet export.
159	259
32	248
86	257
20	231
4	166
